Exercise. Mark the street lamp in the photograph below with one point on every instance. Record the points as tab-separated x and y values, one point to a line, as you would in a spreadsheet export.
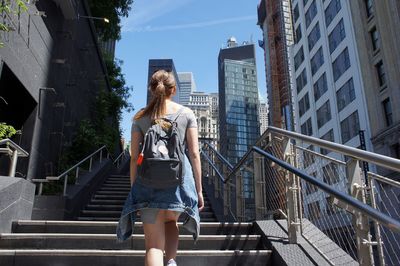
106	20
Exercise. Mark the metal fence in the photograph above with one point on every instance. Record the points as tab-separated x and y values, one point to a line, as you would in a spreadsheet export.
328	195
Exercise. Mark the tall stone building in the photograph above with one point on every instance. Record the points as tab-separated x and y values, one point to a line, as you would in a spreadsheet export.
203	106
51	69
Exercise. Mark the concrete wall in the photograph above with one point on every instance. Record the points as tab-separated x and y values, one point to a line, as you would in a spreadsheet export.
16	201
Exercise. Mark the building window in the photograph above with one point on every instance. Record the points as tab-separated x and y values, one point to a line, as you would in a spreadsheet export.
374	38
320	87
301	80
329	137
324	114
381	73
311	13
387	109
298	34
298	58
314	36
350	127
337	36
345	94
369	7
305	2
304	104
317	61
341	64
331	11
306	128
296	13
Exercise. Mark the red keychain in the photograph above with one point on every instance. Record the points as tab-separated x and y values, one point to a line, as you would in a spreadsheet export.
140	159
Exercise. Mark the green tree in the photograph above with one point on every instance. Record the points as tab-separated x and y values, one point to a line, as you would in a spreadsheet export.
9	8
113	10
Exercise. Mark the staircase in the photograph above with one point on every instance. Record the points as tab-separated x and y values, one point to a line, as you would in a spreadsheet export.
91	240
107	203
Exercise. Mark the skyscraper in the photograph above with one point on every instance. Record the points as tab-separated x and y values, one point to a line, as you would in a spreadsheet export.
186	85
168	65
238	99
328	88
275	20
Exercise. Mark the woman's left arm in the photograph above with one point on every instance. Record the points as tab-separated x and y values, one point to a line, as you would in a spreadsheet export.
136	139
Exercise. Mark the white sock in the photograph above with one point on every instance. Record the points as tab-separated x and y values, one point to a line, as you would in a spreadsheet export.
171	262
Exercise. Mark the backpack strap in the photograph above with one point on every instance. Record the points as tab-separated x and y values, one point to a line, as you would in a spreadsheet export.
179	113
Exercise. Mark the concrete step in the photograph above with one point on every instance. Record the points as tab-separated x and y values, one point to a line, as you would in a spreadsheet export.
88	227
124	189
100	213
105	207
135	242
81	257
110	197
115	185
113	193
98	219
204	214
106	201
119	176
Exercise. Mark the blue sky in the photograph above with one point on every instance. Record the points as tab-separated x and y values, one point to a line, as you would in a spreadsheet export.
191	33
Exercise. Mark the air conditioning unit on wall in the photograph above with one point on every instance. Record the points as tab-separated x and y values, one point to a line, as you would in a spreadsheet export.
68	8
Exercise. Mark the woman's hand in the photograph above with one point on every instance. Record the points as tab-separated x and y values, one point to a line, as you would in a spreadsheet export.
200	201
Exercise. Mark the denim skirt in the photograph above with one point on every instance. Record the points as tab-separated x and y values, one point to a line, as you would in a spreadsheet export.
182	198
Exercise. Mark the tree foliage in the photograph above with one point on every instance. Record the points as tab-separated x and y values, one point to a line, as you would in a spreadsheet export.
113	10
9	8
7	131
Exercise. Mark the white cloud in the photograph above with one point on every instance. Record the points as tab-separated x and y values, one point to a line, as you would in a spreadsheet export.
144	11
202	24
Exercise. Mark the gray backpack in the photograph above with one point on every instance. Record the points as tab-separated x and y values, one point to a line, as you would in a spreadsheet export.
161	161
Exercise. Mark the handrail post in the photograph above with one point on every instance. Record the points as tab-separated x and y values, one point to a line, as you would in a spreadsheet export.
65	185
377	227
239	196
259	185
360	220
291	187
226	189
13	165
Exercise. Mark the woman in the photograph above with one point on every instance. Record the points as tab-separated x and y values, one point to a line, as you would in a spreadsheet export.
161	208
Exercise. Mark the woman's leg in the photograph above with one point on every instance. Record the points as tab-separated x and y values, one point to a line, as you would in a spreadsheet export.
154	235
171	234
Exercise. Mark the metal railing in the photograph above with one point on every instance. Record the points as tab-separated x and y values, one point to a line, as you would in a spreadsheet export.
14	151
75	170
311	190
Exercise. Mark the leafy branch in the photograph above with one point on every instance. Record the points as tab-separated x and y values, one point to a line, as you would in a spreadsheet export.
11	7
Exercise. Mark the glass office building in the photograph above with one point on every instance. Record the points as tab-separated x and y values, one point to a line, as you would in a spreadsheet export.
238	99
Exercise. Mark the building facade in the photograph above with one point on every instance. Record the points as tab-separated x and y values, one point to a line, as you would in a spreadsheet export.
238	110
167	65
206	116
263	116
186	85
274	18
238	99
51	70
330	100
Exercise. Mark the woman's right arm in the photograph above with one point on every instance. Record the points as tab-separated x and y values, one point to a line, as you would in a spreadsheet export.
136	138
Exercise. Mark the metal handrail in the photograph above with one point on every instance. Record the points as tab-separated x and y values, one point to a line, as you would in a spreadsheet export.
382	160
213	165
219	155
364	208
12	144
15	151
373	213
75	167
